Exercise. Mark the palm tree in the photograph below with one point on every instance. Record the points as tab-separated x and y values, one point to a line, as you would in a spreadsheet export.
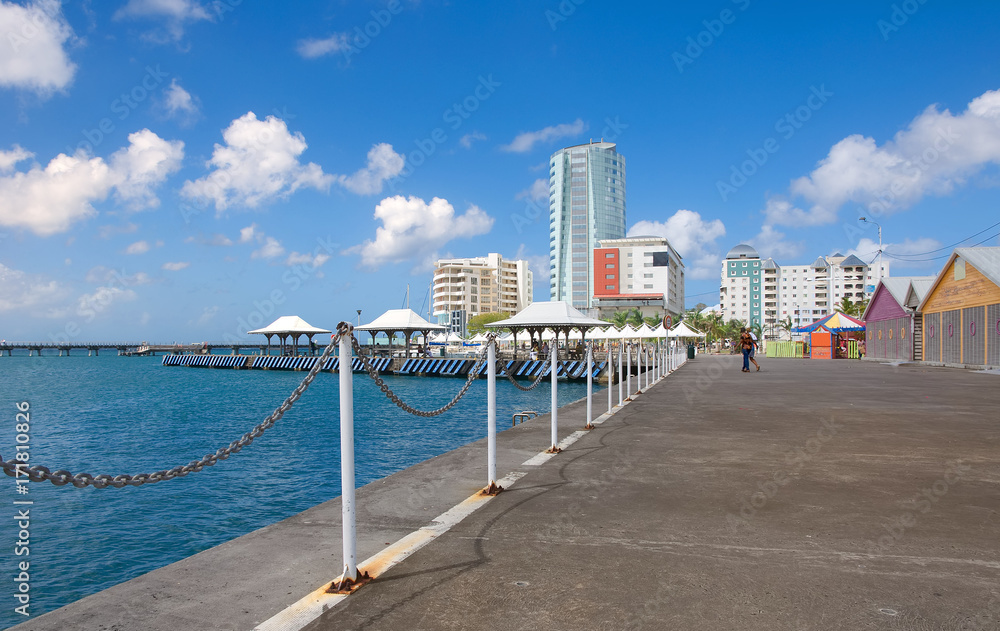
786	326
714	327
635	318
620	318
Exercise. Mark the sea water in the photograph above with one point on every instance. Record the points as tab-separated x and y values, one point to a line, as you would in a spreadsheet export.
132	415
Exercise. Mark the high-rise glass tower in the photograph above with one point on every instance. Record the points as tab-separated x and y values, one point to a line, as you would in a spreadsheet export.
586	204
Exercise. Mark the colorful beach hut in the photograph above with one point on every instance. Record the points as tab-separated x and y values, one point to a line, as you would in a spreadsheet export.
893	325
961	312
825	333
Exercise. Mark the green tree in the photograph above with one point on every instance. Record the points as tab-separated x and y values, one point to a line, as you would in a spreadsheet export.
476	324
619	319
855	309
786	326
635	318
653	321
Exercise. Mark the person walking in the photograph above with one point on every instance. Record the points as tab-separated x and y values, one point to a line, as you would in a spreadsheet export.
753	351
746	345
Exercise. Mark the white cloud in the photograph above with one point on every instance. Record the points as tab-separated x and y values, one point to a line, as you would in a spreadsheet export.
258	163
538	191
383	164
937	152
139	247
20	290
179	104
692	237
9	158
108	231
412	230
47	201
308	259
538	263
142	166
89	305
272	248
247	234
207	315
771	243
469	139
32	56
175	13
311	48
107	276
175	267
525	141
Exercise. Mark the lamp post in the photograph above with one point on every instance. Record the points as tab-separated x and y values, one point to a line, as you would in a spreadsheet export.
879	270
359	317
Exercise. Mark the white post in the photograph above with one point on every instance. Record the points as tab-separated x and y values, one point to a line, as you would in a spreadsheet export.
649	367
554	370
621	374
610	377
347	456
491	415
590	385
628	373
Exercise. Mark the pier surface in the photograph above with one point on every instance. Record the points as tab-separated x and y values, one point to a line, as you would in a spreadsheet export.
810	495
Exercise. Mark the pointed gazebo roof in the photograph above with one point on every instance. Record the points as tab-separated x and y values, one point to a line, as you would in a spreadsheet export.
548	315
289	325
400	320
682	330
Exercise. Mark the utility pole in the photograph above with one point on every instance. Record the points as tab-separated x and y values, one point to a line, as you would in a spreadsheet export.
879	270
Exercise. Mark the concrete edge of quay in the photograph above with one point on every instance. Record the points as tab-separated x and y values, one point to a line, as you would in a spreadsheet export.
245	581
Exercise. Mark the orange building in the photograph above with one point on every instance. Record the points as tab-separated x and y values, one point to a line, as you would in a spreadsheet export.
961	312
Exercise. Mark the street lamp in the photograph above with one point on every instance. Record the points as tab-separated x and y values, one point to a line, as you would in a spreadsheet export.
879	271
359	317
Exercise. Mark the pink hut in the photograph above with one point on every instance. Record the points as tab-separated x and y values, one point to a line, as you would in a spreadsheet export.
893	330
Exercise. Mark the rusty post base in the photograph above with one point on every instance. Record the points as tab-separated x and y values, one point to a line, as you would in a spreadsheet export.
589	426
492	489
345	585
553	450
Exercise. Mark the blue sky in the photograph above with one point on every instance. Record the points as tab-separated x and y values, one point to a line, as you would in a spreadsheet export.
178	170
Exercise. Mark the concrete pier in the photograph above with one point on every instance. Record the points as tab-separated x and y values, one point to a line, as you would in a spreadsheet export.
810	495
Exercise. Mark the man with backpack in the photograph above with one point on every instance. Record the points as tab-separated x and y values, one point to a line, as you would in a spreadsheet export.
747	345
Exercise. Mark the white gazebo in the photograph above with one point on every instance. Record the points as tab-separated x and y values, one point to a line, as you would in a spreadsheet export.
404	321
289	326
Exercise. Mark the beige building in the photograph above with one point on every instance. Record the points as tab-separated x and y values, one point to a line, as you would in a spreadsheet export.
468	287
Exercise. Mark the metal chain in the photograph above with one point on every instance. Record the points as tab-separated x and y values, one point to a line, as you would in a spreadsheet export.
39	473
392	396
538	380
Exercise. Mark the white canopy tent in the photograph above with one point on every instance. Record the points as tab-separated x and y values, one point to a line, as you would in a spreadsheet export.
289	326
682	330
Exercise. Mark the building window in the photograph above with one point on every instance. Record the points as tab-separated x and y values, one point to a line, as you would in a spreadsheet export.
609	255
609	287
609	276
609	266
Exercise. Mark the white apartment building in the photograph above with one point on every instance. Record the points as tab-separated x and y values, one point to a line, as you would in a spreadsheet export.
637	272
468	287
756	291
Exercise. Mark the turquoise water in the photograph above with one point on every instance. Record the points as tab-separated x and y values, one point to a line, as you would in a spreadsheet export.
130	415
